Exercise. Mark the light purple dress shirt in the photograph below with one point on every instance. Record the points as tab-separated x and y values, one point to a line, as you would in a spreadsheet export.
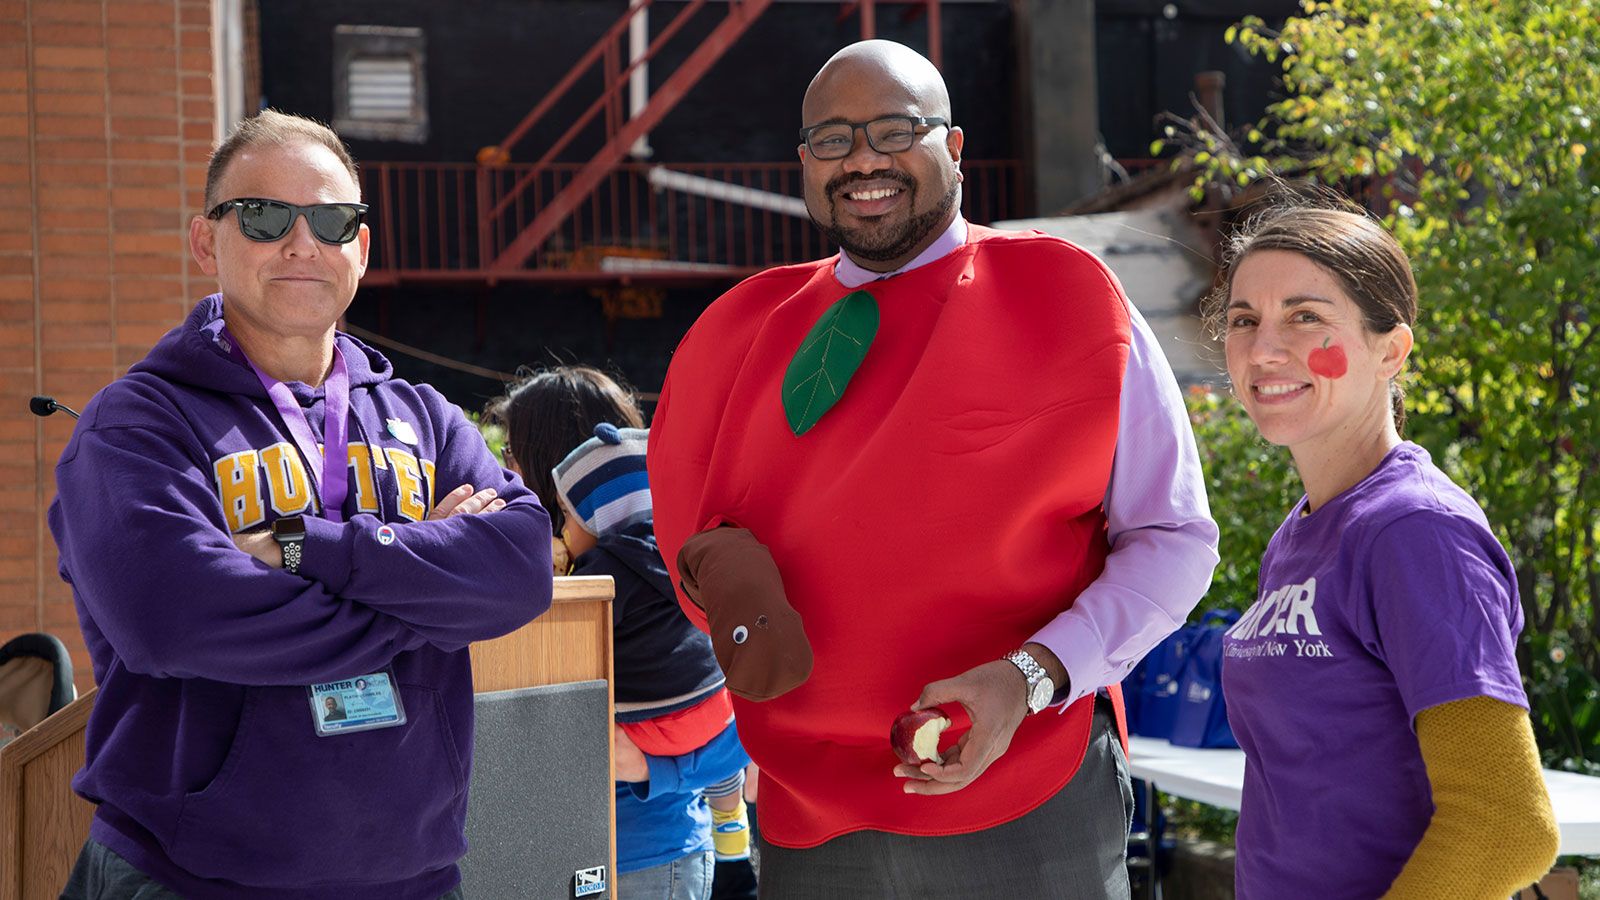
1163	540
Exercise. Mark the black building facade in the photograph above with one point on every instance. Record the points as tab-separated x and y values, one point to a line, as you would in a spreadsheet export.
486	63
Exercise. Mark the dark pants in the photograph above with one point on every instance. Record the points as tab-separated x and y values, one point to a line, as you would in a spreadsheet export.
1073	847
101	874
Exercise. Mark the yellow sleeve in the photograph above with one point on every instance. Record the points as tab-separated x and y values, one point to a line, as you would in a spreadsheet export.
1492	831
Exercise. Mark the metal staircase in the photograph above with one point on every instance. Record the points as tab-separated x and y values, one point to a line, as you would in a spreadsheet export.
620	134
549	214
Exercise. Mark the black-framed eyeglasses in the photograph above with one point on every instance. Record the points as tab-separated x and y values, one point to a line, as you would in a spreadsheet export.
890	134
269	220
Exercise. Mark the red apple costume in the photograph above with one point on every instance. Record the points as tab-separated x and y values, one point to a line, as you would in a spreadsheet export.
948	506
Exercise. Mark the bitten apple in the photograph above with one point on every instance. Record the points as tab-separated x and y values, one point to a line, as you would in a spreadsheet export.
915	736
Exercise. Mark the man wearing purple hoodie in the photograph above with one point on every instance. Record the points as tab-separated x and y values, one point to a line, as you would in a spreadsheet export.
257	516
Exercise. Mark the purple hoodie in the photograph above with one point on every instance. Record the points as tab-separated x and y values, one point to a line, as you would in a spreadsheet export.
201	749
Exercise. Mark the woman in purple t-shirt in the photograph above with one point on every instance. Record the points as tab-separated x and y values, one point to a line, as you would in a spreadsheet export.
1373	685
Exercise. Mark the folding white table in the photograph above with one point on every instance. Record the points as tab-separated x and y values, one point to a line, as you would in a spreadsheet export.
1217	777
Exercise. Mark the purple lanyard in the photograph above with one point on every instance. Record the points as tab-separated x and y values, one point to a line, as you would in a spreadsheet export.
334	482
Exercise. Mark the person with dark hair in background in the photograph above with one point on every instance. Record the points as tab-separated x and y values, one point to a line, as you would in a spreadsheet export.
258	514
578	439
1373	685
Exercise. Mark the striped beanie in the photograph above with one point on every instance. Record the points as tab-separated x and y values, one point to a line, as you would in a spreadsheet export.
604	479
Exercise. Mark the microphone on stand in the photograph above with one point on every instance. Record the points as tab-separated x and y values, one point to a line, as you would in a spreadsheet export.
46	406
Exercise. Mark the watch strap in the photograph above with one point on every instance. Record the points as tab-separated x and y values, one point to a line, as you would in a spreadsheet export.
292	550
1031	670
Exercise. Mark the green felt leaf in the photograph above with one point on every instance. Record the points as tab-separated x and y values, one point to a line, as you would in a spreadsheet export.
826	360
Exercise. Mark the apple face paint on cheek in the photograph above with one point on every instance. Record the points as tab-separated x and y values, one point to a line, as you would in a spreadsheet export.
1328	361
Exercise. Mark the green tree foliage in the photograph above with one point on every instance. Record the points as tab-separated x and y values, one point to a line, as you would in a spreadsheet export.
1251	484
494	433
1471	126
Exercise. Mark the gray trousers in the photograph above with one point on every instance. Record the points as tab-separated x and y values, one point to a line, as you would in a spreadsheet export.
102	874
1073	847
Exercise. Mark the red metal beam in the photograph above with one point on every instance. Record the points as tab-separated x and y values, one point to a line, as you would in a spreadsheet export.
613	90
741	13
397	277
573	74
673	27
424	214
914	11
869	18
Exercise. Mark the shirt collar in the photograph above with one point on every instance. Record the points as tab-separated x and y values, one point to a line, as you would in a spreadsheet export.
852	275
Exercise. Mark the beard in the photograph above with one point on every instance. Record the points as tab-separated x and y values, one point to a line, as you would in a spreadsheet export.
884	242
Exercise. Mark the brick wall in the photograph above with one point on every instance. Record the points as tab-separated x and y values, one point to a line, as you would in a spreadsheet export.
106	116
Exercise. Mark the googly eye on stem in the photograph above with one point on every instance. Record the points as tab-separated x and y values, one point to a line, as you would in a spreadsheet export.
741	634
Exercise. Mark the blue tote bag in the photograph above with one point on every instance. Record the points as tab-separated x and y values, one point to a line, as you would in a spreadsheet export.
1201	715
1153	685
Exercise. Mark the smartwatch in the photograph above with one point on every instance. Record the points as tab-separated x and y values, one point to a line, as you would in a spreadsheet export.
290	533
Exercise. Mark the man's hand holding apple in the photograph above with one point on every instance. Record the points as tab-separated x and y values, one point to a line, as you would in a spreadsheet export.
995	698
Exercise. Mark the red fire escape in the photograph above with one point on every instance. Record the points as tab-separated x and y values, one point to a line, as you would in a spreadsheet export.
612	219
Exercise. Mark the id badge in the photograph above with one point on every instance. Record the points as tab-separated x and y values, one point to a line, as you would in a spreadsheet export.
356	704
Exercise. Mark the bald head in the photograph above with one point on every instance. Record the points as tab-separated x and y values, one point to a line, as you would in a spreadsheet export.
896	72
885	181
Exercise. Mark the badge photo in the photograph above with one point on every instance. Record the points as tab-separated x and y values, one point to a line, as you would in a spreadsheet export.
356	704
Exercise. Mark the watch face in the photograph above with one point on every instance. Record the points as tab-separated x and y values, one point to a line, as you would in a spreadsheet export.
1043	690
289	528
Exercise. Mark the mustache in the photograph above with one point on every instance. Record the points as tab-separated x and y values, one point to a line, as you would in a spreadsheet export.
843	181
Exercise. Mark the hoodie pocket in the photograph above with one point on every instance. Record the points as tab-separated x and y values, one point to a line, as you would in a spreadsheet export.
290	809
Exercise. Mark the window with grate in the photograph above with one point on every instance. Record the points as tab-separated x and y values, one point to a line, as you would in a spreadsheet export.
380	83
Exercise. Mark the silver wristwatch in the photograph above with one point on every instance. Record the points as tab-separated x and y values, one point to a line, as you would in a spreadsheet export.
1040	686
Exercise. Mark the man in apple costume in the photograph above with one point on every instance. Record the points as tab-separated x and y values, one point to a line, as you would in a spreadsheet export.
948	467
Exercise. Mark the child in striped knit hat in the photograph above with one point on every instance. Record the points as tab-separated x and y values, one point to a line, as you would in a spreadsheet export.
680	767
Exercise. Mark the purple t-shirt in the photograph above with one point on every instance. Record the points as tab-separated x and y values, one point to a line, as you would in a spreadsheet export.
1391	598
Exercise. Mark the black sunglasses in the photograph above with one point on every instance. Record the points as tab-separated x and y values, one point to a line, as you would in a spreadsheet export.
269	220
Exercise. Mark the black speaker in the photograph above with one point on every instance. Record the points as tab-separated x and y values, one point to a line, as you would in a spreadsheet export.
538	807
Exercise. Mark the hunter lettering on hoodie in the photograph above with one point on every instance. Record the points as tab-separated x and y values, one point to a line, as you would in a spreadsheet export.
201	749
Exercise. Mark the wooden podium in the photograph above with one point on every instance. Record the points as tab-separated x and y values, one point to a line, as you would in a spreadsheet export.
43	824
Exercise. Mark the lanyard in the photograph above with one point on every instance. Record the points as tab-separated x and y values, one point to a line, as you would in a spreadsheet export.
334	482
